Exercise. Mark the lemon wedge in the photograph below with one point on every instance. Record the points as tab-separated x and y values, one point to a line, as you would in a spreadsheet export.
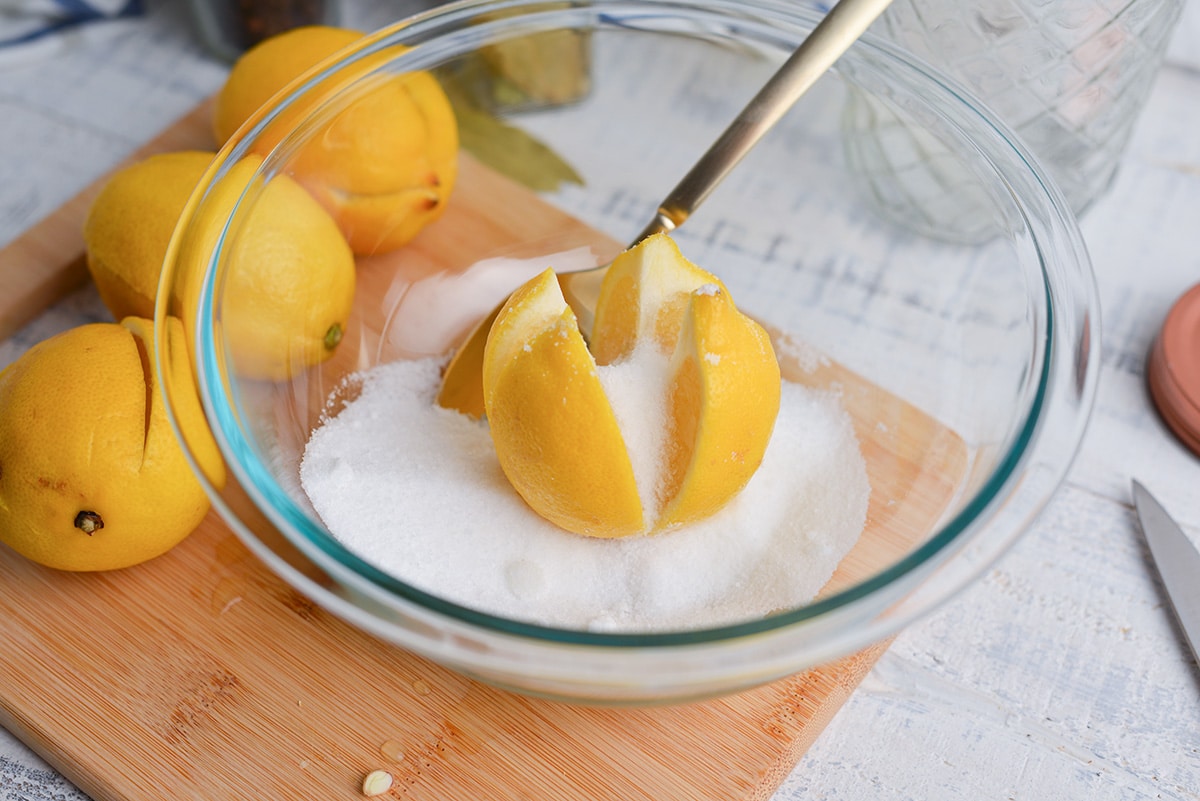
644	295
722	401
554	429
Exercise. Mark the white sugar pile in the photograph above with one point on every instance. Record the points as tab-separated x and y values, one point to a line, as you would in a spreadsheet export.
416	490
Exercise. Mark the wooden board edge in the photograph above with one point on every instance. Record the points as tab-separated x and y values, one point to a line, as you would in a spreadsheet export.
54	244
852	670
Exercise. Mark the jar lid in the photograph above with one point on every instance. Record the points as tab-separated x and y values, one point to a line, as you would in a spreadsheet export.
1173	369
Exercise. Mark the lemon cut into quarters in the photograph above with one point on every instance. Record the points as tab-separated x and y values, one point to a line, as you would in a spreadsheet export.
553	426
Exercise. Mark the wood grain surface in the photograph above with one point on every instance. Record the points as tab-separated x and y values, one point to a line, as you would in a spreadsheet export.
201	675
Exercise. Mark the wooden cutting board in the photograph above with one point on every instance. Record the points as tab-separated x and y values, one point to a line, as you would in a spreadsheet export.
201	675
46	262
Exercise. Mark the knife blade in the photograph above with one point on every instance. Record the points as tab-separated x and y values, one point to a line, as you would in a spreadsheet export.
1177	560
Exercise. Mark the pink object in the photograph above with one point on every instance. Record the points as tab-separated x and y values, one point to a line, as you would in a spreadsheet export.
1173	370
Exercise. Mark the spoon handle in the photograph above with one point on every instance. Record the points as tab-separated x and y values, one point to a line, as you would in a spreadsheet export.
840	28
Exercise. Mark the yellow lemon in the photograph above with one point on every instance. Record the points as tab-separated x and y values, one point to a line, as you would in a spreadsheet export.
722	401
724	385
286	282
555	434
383	164
268	67
644	296
91	474
130	223
291	275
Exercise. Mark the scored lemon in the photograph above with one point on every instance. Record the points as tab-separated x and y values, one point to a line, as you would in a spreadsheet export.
91	474
269	66
286	284
555	433
553	427
383	164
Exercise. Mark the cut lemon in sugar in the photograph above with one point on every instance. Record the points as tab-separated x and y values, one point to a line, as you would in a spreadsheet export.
722	401
644	296
556	434
554	429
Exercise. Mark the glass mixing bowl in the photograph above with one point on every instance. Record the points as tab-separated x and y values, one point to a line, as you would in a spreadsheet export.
963	348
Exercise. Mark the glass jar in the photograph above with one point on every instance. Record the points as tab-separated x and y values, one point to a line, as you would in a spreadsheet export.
1070	77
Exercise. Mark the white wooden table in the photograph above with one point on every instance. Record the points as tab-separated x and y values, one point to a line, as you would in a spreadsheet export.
1060	675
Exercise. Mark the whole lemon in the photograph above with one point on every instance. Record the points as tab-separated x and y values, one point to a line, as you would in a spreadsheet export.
130	223
91	474
291	281
383	165
268	67
285	286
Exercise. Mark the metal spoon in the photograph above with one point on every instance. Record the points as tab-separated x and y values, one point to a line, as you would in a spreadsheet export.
462	384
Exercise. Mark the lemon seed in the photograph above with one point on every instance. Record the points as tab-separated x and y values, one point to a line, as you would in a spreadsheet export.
377	782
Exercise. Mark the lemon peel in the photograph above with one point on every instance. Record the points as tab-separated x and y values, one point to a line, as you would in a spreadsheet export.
95	479
554	429
384	164
564	453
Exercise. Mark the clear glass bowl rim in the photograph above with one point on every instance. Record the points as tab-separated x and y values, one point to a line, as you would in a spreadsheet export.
328	554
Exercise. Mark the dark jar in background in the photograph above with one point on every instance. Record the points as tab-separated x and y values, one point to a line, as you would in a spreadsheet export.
230	27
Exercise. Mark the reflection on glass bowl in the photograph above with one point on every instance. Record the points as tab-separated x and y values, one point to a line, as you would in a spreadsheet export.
966	366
